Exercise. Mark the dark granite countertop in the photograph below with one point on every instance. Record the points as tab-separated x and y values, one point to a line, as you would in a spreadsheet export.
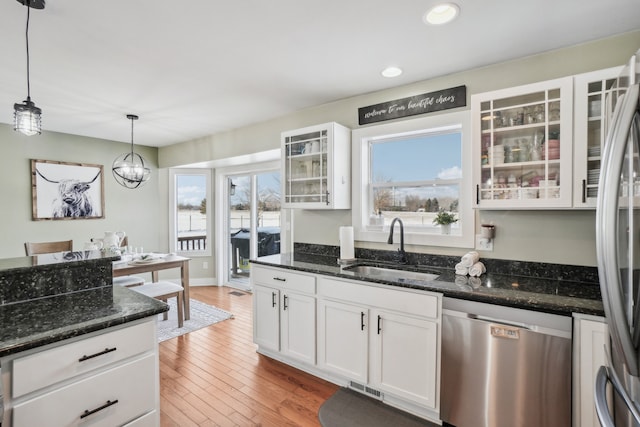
558	296
42	321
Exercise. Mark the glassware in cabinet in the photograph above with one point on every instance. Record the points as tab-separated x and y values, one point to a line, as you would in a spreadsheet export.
521	159
309	167
593	91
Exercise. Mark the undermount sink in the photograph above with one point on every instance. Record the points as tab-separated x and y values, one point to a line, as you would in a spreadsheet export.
391	273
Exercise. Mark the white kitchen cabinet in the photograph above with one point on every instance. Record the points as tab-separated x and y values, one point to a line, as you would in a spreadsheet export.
590	336
284	318
382	340
105	378
343	345
590	114
523	146
405	357
316	167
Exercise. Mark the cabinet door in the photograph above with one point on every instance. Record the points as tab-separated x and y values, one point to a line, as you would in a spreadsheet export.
592	93
316	167
342	339
405	357
523	146
266	317
590	337
299	327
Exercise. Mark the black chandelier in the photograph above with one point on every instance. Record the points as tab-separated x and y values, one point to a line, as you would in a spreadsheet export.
26	116
129	169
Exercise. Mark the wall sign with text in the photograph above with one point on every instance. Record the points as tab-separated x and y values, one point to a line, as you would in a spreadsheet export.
419	104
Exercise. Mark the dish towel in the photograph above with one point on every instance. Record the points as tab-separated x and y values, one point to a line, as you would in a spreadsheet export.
477	269
470	258
461	269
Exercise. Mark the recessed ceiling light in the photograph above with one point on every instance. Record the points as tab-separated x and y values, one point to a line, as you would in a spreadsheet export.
391	72
441	13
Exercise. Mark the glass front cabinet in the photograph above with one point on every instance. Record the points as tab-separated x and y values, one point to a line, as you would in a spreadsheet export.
316	167
591	109
522	142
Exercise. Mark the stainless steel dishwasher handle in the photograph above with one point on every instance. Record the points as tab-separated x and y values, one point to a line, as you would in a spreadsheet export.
499	321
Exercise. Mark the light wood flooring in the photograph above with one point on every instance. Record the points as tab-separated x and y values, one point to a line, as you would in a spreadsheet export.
214	377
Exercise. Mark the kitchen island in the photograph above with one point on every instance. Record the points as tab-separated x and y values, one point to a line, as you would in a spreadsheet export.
73	346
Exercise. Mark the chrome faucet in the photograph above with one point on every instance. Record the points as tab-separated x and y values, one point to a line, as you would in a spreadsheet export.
402	255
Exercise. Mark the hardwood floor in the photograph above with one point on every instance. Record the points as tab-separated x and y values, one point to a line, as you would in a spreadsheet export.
215	377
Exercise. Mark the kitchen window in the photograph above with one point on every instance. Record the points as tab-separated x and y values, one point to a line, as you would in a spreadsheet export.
412	170
190	213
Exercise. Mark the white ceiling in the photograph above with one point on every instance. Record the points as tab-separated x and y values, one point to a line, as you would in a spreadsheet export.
198	67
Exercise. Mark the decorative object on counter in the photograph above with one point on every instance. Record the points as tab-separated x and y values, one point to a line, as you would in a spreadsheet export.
93	246
470	265
61	190
129	169
347	251
445	219
26	116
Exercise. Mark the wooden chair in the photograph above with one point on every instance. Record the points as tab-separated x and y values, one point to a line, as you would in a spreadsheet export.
163	290
32	248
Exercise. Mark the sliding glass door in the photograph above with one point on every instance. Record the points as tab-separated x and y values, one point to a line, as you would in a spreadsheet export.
253	221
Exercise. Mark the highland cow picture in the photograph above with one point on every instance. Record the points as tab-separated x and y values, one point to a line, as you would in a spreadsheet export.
62	190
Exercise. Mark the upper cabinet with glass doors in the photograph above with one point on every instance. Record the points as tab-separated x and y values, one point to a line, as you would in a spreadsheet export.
592	93
522	142
316	167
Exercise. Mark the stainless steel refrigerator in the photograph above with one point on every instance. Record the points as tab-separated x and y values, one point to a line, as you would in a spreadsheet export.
618	251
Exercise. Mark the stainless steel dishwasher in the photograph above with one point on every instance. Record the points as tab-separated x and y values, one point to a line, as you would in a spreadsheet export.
504	367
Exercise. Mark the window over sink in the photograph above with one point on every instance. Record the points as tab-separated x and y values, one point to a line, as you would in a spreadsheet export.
412	170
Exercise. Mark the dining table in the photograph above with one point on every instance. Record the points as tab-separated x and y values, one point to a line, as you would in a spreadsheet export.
153	265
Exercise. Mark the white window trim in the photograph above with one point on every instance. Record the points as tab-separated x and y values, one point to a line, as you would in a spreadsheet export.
360	151
173	220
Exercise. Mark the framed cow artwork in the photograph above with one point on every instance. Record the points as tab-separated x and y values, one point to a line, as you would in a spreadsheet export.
62	190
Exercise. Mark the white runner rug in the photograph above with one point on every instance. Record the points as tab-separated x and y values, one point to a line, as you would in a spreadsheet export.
201	315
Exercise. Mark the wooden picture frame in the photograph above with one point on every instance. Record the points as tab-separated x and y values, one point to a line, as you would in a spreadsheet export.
63	190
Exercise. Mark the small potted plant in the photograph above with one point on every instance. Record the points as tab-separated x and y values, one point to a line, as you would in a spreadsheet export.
445	219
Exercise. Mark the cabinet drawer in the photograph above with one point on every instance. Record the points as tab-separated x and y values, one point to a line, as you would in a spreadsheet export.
57	364
148	420
283	279
422	304
129	387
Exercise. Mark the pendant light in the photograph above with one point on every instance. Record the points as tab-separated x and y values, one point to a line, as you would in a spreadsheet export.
26	116
129	169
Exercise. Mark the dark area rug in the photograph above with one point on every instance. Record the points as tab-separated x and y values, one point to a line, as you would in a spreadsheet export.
348	408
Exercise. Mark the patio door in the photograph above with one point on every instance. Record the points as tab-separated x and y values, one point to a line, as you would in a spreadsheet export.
253	221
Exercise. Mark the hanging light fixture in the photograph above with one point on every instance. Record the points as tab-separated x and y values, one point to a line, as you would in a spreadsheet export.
129	169
26	116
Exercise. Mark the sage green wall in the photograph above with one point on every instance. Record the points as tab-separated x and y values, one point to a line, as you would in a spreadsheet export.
549	236
142	213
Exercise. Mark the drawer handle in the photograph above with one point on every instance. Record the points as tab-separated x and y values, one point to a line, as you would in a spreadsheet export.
105	351
279	279
87	412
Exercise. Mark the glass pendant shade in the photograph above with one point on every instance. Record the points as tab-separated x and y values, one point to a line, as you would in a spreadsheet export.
130	169
27	118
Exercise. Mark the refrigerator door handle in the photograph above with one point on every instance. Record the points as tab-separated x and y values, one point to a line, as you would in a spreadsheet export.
606	228
604	376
